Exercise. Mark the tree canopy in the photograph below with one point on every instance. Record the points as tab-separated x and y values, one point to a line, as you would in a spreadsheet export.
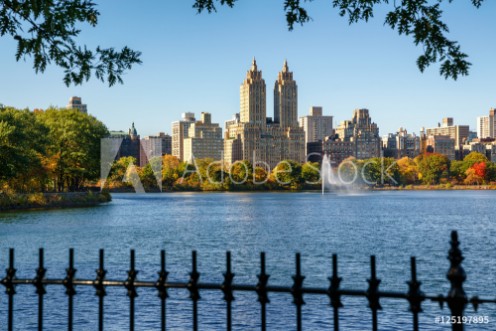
421	19
46	31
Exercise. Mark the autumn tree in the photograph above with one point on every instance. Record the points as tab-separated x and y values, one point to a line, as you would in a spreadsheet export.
408	171
476	174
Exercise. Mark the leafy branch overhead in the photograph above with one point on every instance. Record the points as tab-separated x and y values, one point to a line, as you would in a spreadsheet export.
46	30
421	19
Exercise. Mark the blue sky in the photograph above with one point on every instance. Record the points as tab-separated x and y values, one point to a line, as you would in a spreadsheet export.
195	63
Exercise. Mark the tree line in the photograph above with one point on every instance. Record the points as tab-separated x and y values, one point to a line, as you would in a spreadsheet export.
50	150
168	173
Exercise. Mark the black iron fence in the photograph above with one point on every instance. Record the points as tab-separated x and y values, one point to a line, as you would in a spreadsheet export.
456	299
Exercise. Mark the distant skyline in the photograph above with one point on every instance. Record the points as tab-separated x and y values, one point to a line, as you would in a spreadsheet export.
195	63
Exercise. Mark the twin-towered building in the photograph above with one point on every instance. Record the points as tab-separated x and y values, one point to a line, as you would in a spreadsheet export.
252	135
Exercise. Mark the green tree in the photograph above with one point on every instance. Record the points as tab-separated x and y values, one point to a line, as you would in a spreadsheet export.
433	167
75	138
421	19
287	174
22	146
118	172
47	32
457	171
310	172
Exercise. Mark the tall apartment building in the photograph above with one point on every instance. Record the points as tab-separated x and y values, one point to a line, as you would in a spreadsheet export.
358	137
204	140
492	123
401	144
459	133
154	146
179	132
256	138
483	131
316	126
77	103
441	144
486	125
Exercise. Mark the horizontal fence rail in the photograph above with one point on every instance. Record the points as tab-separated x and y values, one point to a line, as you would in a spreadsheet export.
456	299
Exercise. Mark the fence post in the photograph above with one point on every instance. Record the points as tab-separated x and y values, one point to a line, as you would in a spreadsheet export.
457	299
334	293
261	289
227	289
8	282
70	289
162	290
40	288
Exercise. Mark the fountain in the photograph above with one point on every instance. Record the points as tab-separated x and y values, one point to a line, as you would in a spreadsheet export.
326	175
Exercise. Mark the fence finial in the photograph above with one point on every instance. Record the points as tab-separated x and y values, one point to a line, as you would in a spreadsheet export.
456	299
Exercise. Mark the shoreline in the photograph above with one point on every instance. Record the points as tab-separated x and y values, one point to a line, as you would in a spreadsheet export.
439	187
61	200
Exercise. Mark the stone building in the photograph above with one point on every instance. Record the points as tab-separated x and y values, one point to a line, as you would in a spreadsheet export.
128	143
254	137
401	144
358	137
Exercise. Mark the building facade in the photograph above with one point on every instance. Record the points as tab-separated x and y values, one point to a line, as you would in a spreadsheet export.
204	140
483	127
459	133
316	126
401	144
441	144
254	137
154	146
180	131
358	137
77	103
129	143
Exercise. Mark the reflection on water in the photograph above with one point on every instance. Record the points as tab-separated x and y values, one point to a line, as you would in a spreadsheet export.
391	225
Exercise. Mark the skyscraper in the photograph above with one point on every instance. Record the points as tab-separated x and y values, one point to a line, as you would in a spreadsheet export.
286	99
253	98
255	137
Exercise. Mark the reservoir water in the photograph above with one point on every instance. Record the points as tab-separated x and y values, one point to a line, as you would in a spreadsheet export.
391	225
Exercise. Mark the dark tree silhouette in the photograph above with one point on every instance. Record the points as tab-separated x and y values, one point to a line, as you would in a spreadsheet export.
46	31
421	19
